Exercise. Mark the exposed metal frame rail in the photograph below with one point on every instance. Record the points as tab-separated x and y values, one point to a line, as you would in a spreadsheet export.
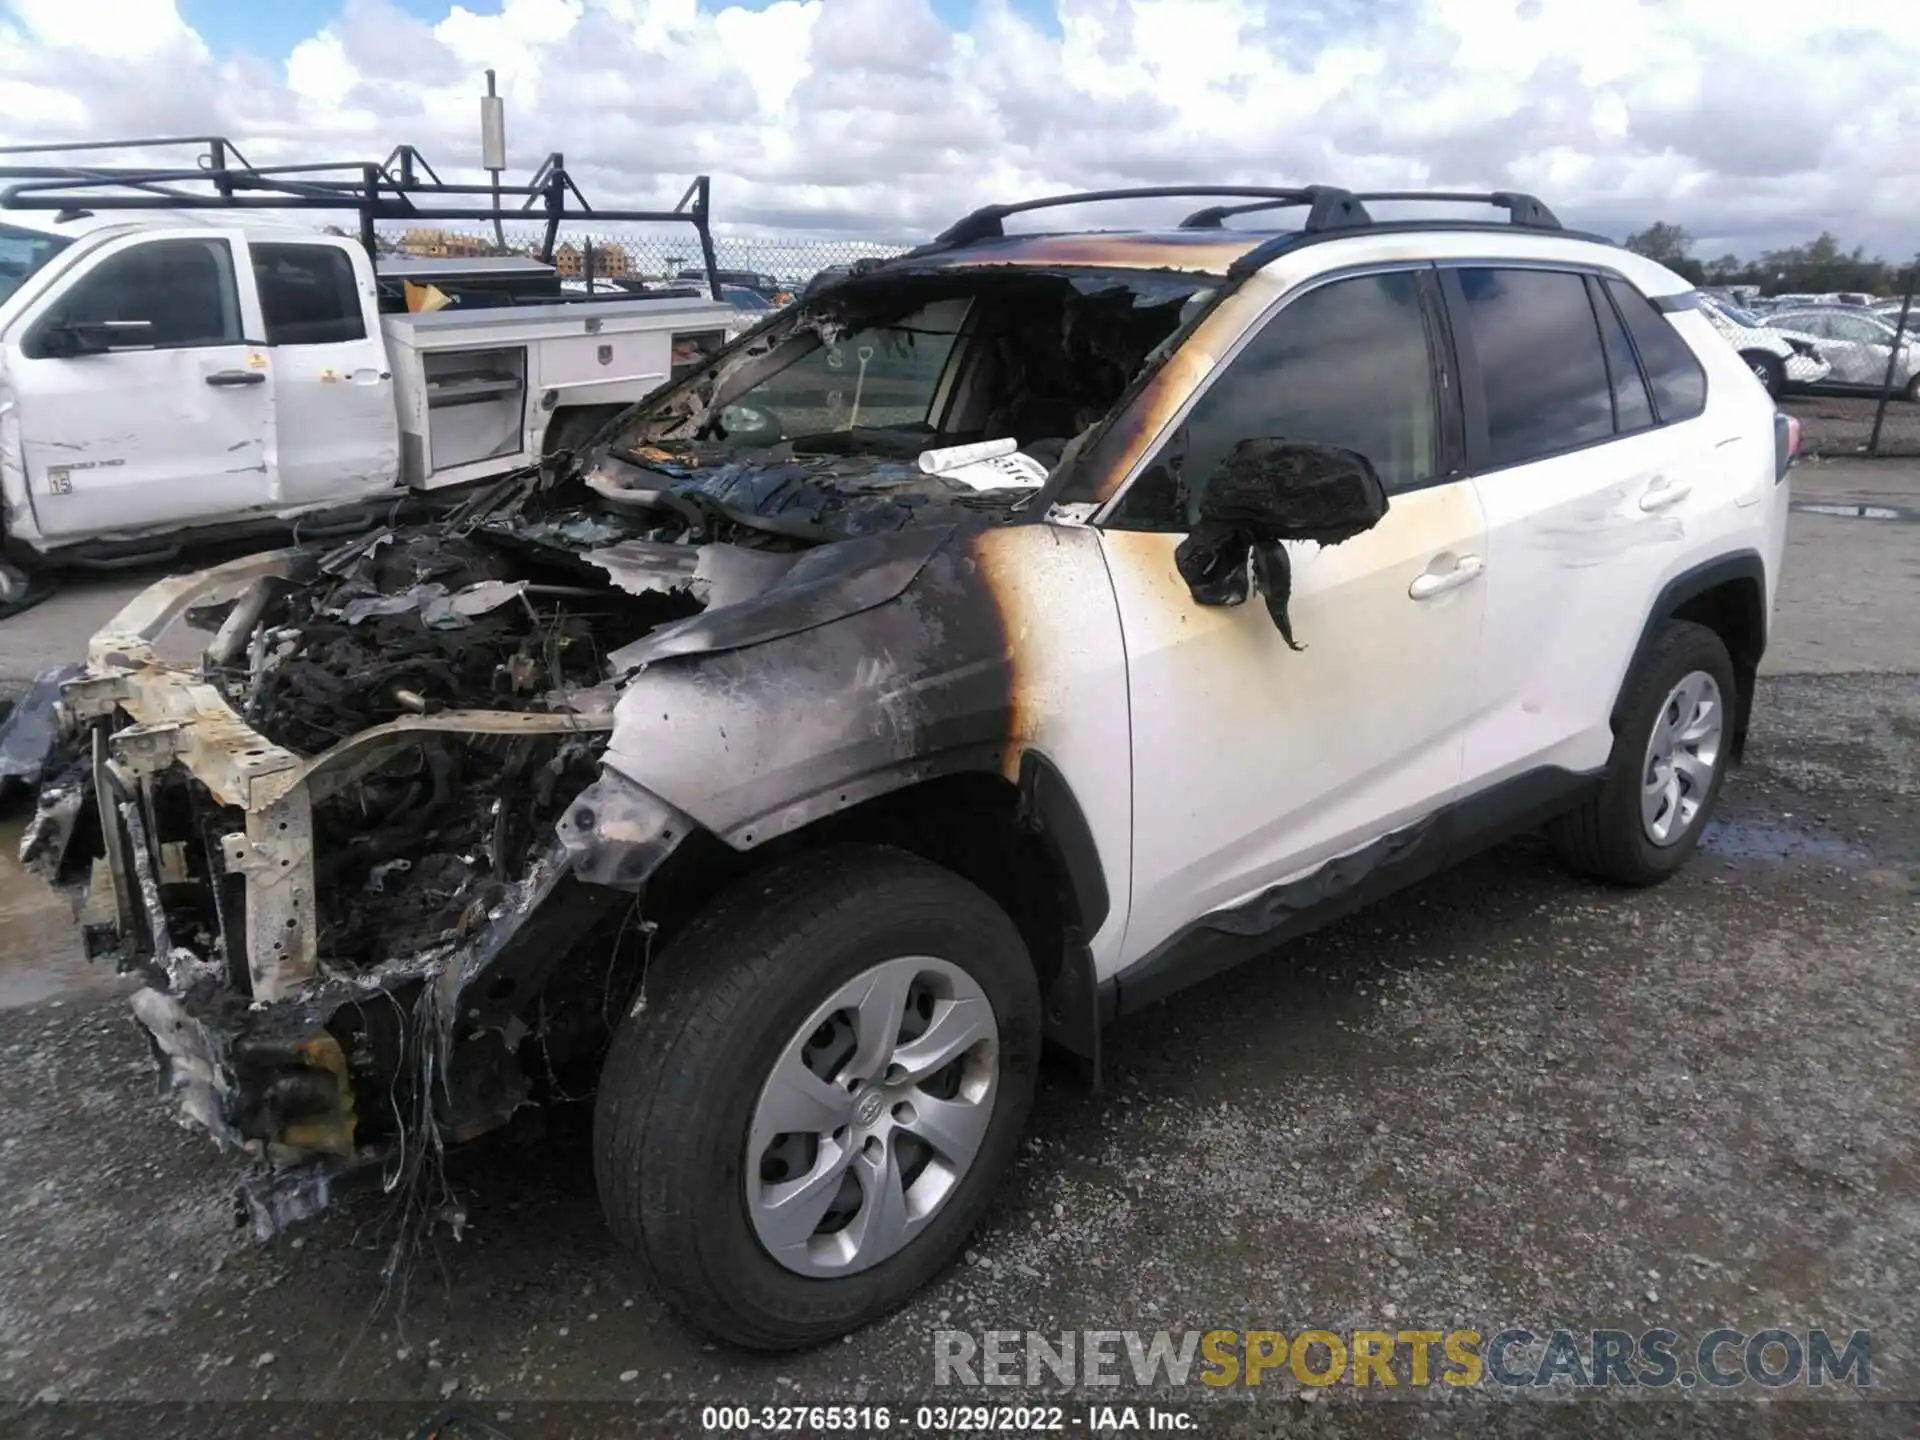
223	179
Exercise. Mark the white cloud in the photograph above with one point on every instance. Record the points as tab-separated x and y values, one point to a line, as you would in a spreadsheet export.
1749	126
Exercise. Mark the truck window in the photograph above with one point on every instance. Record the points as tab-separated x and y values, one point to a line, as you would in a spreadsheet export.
308	294
182	289
21	253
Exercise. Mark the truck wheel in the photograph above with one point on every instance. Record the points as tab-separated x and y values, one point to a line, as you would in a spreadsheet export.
1767	369
22	590
816	1095
1669	759
577	428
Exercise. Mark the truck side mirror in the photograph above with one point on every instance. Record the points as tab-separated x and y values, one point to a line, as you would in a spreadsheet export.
67	339
1264	493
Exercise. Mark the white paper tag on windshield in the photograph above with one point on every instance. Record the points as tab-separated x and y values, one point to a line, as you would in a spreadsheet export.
990	465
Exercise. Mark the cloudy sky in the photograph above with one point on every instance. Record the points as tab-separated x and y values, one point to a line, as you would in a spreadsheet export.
1751	124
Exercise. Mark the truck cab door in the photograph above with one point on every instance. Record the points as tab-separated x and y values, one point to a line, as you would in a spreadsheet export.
141	407
338	434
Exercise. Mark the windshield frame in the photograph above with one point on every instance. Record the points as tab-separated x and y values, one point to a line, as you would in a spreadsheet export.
719	382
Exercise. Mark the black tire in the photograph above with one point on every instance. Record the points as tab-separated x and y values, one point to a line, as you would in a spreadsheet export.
1913	390
577	428
686	1068
1604	837
1767	369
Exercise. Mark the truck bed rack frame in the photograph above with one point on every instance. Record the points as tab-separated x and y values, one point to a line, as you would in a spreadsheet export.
221	178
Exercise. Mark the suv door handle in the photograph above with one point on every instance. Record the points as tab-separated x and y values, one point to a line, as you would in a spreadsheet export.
1430	583
237	377
1660	496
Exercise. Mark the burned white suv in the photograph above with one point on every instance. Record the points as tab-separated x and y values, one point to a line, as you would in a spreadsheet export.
991	643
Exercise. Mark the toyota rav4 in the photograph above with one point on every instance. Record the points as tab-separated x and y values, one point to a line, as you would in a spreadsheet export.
1002	637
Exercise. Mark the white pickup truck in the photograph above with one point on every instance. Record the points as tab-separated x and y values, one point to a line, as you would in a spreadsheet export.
170	373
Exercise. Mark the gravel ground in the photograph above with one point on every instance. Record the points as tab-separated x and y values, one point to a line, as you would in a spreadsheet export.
1504	1098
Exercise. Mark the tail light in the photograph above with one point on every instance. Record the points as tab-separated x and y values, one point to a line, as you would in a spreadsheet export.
1786	444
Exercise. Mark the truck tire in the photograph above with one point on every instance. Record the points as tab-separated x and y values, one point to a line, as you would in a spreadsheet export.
1670	756
817	1094
577	427
1767	369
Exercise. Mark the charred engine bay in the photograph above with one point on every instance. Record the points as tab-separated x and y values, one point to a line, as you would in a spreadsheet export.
420	845
430	620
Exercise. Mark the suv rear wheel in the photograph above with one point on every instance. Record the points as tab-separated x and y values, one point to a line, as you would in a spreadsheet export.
814	1099
1669	759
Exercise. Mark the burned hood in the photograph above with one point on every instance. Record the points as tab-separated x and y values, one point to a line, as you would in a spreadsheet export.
812	588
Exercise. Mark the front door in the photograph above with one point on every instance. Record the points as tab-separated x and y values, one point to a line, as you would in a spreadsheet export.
1255	762
140	404
338	432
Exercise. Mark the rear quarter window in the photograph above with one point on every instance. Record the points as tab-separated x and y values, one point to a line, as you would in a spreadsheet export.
1674	373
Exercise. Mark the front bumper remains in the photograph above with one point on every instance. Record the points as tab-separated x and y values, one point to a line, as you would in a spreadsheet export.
270	1049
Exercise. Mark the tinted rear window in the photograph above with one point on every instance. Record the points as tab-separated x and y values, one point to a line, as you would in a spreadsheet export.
1632	409
1679	384
308	295
1541	364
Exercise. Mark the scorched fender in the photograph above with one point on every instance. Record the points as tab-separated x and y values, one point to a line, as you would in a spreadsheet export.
1002	646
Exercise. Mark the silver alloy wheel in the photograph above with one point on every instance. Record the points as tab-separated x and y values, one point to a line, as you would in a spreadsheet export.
872	1116
1681	755
1759	369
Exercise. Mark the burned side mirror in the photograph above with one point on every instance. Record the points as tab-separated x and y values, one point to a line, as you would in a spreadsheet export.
1267	492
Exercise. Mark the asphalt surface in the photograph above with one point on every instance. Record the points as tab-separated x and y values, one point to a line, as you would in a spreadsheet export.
1503	1098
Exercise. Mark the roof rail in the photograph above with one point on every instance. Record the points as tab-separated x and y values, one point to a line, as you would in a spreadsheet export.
985	223
1522	210
1333	209
390	190
1329	208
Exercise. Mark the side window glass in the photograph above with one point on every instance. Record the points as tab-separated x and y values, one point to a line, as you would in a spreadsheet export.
308	295
1679	383
1541	364
1632	407
1344	364
182	290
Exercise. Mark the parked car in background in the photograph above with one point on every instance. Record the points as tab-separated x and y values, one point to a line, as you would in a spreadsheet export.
758	281
1891	312
750	307
1857	343
831	275
1780	360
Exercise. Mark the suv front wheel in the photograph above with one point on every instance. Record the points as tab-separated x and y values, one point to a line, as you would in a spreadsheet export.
811	1104
1669	759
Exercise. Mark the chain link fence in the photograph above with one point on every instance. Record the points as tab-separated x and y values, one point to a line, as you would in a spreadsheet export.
643	255
1869	402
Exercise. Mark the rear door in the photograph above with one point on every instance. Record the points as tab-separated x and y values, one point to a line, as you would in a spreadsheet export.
1597	482
167	419
338	431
